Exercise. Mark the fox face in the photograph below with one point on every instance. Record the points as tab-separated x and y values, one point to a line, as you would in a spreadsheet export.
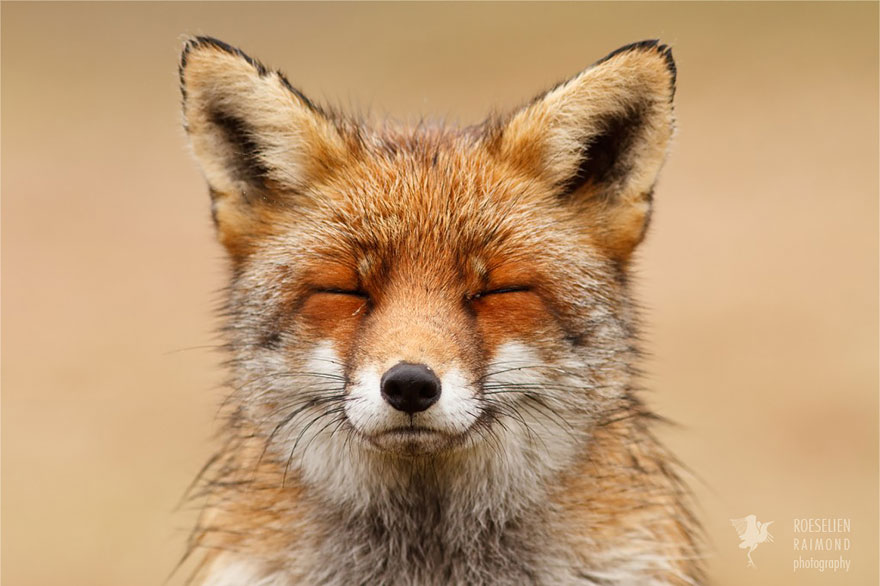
428	307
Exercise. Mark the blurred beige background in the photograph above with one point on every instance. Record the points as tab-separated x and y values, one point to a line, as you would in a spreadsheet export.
759	277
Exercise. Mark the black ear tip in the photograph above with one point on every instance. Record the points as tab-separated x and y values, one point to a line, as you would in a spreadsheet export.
193	43
666	52
653	45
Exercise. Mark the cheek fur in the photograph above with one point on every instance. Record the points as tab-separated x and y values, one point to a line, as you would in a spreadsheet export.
333	317
512	316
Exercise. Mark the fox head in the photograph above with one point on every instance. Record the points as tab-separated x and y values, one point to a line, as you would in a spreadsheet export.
414	302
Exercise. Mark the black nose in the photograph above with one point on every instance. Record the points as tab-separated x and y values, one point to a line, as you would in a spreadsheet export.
410	387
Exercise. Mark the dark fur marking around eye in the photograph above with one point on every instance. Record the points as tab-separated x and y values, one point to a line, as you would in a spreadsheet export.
247	164
604	158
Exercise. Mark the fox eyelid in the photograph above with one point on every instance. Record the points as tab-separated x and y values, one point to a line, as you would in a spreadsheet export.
351	292
499	291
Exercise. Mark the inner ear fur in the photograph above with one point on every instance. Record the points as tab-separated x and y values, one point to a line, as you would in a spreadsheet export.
599	140
256	138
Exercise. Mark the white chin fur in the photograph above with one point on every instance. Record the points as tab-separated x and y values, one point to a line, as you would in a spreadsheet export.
515	457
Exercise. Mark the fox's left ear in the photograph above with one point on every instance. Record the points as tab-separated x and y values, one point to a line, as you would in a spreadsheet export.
600	139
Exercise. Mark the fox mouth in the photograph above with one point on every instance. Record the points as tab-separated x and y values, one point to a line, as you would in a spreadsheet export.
412	430
414	440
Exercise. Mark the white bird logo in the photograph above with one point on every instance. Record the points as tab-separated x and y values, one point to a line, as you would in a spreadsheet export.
751	534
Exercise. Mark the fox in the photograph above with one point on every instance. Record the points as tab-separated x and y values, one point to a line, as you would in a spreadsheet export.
431	340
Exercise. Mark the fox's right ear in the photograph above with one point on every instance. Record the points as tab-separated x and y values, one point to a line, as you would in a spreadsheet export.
255	136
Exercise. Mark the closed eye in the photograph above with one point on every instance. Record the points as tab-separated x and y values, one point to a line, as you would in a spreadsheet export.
499	291
351	292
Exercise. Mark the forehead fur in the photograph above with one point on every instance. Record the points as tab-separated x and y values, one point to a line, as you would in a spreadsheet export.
433	195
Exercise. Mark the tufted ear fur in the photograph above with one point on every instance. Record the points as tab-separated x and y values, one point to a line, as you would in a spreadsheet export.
255	136
600	139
